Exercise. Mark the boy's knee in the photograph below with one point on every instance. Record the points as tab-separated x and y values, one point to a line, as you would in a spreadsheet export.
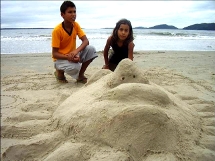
91	48
73	70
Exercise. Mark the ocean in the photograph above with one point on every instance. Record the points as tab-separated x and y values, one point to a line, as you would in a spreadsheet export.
23	41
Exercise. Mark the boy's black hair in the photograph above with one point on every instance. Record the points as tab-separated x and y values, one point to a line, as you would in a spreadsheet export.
115	30
65	5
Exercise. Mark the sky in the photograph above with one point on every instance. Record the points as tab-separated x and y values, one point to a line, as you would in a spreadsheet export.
105	14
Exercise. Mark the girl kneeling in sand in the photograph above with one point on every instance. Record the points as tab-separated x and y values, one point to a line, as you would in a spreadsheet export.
122	44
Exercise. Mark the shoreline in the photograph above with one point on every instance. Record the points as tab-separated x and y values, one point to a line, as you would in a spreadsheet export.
101	51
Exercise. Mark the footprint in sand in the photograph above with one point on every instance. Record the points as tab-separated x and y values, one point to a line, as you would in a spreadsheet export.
117	116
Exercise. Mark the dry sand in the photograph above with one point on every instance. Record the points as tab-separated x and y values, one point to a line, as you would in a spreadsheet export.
160	107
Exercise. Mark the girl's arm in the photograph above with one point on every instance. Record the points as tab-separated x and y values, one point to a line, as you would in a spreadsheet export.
106	49
130	50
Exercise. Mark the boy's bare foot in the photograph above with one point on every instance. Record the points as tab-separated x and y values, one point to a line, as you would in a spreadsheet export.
82	79
59	75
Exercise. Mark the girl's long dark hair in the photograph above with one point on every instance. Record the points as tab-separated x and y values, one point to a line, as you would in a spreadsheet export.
115	37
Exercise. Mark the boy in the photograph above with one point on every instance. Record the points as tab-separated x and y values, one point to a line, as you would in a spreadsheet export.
67	58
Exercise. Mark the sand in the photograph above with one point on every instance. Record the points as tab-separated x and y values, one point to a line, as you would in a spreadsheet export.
159	107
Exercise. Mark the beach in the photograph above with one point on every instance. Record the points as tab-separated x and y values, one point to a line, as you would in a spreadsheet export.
161	106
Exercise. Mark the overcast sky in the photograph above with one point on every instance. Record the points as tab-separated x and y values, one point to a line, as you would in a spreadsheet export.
101	14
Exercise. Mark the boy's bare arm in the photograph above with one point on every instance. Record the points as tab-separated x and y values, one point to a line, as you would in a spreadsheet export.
68	57
84	43
57	55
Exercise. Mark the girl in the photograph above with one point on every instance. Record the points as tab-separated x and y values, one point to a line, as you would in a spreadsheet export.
122	44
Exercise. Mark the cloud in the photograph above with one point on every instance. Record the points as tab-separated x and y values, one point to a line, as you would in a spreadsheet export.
29	13
101	14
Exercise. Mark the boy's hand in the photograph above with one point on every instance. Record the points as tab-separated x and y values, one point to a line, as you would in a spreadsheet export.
73	56
76	59
73	53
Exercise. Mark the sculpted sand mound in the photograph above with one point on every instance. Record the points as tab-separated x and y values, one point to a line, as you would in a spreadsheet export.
124	110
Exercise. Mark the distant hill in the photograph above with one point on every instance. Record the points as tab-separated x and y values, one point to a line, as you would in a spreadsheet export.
107	28
163	26
202	26
140	27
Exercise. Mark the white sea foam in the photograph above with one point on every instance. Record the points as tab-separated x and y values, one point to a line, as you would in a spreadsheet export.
21	41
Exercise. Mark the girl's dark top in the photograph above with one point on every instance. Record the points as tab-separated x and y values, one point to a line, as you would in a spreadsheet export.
118	54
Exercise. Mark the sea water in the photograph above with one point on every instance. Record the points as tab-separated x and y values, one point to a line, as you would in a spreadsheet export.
23	41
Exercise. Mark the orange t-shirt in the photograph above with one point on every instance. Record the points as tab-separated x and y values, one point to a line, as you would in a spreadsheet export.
65	42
